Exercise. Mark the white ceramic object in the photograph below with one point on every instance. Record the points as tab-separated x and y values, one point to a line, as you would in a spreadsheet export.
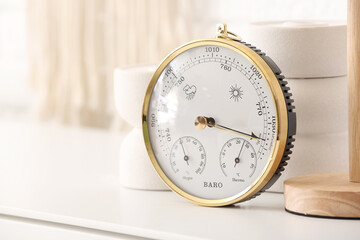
316	154
135	168
312	56
302	49
321	143
320	105
130	84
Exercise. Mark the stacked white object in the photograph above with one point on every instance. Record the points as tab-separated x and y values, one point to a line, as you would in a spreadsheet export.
135	169
312	57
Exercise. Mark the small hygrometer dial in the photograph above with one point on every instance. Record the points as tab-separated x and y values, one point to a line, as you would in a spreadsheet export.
218	100
187	157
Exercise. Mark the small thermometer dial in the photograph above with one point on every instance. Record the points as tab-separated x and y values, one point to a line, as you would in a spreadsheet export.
238	159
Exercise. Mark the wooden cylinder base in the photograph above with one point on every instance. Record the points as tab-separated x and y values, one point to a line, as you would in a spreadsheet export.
323	195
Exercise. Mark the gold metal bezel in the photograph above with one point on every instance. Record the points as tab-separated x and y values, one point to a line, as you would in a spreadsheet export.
281	123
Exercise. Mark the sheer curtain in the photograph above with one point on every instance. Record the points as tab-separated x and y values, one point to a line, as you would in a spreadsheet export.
74	46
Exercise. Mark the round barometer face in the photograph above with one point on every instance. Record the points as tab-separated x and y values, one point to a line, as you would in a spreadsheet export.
211	122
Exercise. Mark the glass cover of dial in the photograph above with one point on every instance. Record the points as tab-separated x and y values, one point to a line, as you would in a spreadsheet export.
218	83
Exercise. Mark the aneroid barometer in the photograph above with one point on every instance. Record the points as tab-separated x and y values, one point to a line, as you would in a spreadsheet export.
218	120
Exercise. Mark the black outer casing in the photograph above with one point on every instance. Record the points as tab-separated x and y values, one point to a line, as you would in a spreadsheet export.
291	118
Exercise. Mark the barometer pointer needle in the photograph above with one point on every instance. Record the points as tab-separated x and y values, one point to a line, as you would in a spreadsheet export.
201	122
252	135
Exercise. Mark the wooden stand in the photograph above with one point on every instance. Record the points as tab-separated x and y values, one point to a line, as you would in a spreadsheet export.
335	194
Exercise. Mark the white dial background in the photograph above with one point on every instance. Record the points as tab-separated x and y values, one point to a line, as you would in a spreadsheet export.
217	82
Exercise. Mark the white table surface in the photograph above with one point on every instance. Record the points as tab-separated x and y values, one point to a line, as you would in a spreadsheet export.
68	176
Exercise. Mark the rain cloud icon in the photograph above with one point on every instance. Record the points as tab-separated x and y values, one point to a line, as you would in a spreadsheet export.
190	91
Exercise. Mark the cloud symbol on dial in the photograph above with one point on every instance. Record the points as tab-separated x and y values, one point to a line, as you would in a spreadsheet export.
189	90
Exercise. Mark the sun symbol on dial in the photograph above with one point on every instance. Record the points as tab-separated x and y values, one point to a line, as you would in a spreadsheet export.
236	93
